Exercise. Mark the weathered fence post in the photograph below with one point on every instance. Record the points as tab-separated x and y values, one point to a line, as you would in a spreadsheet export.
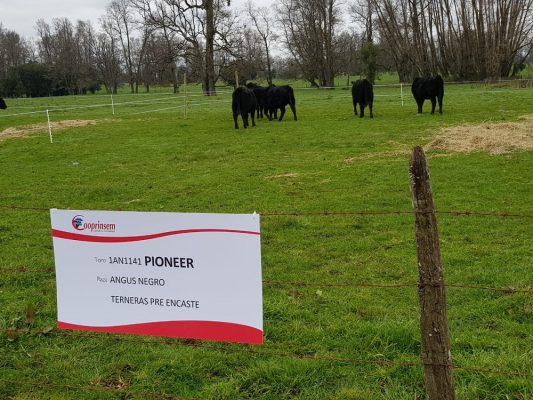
436	354
185	97
49	126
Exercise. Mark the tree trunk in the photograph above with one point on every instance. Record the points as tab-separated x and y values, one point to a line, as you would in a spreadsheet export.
269	66
175	83
209	52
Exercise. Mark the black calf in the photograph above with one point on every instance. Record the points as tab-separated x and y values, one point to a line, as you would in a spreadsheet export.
278	97
260	95
243	103
428	88
362	94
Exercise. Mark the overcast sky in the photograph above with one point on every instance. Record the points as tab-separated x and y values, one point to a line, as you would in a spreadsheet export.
21	15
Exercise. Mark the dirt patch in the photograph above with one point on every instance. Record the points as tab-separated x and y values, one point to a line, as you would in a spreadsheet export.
494	138
26	130
288	175
383	154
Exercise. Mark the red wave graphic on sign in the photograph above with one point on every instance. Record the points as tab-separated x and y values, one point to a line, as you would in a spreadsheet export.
207	330
119	239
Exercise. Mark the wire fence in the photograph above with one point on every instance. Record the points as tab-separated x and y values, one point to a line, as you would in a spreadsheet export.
181	101
509	289
315	285
401	94
503	214
271	349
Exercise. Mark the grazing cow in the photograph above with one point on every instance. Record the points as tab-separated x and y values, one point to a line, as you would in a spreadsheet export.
260	95
428	88
362	94
277	97
243	103
3	104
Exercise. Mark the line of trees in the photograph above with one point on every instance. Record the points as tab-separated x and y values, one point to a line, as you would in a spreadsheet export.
461	39
149	42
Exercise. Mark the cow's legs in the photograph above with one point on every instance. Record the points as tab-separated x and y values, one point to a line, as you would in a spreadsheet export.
293	109
244	119
420	103
253	120
355	108
282	113
433	104
370	108
235	116
440	104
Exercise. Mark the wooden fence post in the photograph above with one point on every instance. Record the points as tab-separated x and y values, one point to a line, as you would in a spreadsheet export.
436	354
185	97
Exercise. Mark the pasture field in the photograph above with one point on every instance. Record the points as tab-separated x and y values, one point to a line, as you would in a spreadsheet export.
338	248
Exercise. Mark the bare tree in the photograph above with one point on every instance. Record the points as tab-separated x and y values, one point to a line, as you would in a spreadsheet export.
59	49
122	23
166	48
195	22
44	44
362	13
245	58
86	40
14	51
263	22
465	39
348	61
107	58
309	34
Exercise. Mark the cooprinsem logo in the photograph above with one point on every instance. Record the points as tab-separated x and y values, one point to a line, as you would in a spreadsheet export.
78	222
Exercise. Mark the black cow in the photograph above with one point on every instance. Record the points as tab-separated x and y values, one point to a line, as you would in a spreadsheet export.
243	103
3	104
428	88
260	95
278	97
362	94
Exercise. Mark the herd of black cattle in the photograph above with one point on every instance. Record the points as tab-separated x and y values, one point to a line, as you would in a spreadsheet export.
266	101
257	101
252	99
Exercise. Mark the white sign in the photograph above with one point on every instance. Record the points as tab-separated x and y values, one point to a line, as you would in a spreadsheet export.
165	274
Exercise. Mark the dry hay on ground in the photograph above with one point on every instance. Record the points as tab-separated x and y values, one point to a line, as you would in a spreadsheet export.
287	175
494	138
383	154
26	130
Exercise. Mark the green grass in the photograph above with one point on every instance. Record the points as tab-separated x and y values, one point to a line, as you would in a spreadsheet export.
321	342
